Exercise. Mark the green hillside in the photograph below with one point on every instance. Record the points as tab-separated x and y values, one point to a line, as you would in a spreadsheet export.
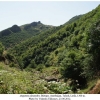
71	36
16	34
74	19
63	59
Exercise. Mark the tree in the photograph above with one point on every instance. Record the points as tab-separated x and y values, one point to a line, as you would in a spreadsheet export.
32	64
72	67
1	49
91	62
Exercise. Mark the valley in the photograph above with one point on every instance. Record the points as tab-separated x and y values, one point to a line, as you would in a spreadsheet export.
44	59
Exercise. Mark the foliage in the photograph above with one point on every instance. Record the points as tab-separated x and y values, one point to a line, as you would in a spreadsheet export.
92	64
15	34
1	49
15	81
74	47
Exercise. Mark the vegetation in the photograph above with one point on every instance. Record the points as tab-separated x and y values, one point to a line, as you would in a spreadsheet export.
1	49
15	34
15	81
61	59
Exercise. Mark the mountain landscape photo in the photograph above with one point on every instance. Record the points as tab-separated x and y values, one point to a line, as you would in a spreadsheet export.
38	58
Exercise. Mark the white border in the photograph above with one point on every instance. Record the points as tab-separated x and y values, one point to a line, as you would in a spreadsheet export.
48	96
50	0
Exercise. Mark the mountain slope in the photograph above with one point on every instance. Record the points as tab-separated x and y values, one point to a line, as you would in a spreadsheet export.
74	19
69	53
68	48
16	34
73	33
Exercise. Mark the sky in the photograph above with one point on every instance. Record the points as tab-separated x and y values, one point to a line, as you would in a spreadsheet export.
48	12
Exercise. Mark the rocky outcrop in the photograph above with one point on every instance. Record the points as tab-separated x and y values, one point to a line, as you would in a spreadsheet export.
48	79
33	24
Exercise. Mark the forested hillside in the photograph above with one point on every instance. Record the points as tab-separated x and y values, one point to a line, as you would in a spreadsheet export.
16	34
64	58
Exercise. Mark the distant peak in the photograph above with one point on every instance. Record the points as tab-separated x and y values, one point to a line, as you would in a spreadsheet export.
39	22
15	28
35	23
15	25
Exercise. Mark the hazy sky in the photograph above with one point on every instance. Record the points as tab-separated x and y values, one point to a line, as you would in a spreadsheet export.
48	12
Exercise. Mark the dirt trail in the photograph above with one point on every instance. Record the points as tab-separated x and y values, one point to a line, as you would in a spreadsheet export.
95	89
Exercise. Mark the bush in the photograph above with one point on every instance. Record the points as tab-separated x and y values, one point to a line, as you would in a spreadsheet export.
72	67
32	64
40	67
1	49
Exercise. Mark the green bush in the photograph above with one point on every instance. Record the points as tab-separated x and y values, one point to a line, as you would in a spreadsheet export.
40	67
1	49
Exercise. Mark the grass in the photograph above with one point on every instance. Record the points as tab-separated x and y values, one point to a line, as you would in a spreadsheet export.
15	81
31	81
89	86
